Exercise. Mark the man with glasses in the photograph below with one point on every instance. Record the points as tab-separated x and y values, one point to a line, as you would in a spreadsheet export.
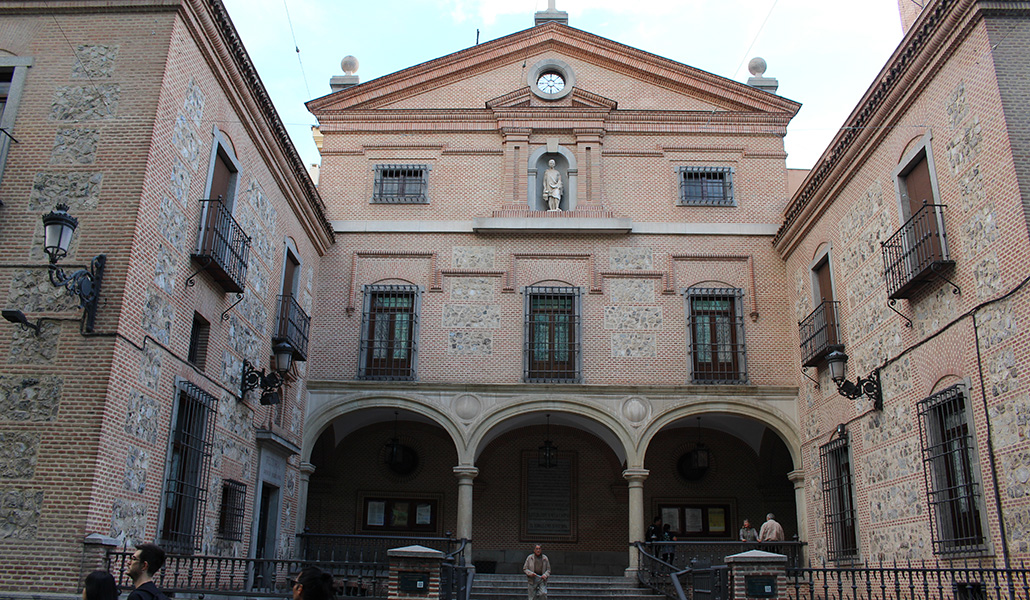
144	562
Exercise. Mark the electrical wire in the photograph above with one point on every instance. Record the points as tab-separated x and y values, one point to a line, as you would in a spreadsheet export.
755	39
296	47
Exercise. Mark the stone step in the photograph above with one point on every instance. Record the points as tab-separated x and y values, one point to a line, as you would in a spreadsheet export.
513	587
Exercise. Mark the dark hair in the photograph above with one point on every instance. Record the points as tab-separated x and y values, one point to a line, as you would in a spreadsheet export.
667	527
317	585
657	520
100	586
153	555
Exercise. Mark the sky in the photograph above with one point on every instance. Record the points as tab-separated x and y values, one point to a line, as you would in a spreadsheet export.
825	54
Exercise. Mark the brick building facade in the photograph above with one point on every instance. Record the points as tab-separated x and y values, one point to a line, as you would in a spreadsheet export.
136	428
916	215
641	318
482	365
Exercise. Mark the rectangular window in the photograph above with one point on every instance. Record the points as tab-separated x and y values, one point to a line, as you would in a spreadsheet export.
706	186
552	335
716	335
950	468
389	338
189	460
838	500
199	336
401	184
13	72
231	513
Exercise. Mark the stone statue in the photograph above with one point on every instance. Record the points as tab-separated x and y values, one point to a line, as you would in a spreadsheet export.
552	187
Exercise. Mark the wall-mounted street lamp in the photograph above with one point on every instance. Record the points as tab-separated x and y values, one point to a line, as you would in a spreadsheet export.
868	386
18	318
271	382
58	229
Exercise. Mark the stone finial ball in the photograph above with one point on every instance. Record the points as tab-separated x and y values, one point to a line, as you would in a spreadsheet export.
349	64
757	66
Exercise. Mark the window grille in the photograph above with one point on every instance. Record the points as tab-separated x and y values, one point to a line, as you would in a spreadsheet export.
717	335
401	184
389	338
231	512
838	500
949	459
185	494
552	335
706	186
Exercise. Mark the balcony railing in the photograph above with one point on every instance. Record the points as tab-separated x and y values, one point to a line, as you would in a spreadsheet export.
820	334
916	252
292	326
222	246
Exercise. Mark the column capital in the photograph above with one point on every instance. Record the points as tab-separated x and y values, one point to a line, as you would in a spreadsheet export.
797	478
307	469
635	475
465	471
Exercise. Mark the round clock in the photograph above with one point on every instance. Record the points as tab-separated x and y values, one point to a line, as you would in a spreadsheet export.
550	83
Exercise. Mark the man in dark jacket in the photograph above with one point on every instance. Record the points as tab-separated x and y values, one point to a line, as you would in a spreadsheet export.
145	561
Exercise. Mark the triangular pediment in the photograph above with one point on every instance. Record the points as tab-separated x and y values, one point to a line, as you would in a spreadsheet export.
578	98
612	76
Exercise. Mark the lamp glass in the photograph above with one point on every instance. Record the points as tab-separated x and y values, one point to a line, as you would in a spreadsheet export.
283	357
58	228
837	362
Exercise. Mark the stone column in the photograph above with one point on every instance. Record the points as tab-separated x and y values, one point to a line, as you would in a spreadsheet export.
798	479
636	478
465	475
306	470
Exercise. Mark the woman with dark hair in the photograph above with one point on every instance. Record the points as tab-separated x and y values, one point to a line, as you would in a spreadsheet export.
100	586
313	584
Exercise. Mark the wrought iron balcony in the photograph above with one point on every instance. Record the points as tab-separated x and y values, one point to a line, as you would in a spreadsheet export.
916	253
292	326
820	334
223	248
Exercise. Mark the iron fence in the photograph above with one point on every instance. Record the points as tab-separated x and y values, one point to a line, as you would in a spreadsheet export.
359	565
706	554
925	581
197	576
318	547
660	576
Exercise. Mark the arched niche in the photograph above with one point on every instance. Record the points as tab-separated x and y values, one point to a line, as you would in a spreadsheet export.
566	164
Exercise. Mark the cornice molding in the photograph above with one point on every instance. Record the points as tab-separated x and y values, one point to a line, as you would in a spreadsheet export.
936	25
246	77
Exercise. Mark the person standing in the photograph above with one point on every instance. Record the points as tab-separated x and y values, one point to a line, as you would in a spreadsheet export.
538	569
654	531
748	533
771	530
145	561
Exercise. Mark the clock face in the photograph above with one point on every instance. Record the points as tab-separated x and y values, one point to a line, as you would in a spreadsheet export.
550	83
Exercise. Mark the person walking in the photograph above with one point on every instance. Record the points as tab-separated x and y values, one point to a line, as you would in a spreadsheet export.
100	585
538	569
145	561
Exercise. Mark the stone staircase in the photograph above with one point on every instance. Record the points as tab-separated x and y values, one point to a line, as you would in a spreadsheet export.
513	587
